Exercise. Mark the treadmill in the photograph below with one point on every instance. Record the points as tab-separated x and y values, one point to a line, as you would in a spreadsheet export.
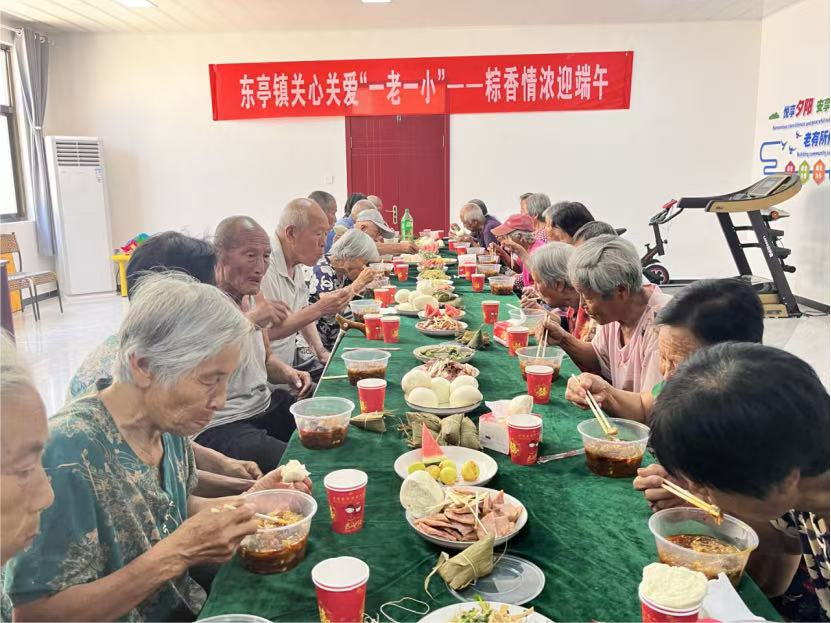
758	201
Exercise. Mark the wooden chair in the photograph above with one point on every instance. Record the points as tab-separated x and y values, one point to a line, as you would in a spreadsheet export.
8	244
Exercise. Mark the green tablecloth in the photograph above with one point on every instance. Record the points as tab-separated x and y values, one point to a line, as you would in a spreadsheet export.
588	534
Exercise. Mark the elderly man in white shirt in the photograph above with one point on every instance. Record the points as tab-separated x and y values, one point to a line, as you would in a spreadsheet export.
299	241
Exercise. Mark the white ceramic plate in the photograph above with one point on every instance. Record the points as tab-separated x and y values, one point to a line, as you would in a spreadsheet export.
447	282
449	261
406	312
520	524
421	356
440	332
423	315
443	410
457	454
448	613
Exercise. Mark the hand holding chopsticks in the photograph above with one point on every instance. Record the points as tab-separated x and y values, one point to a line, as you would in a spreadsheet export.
696	501
607	428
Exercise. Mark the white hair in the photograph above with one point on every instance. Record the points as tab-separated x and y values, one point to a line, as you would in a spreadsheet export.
360	206
296	214
472	212
605	263
174	324
355	245
375	200
550	263
14	374
536	205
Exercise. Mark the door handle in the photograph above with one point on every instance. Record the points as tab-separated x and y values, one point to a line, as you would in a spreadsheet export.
395	215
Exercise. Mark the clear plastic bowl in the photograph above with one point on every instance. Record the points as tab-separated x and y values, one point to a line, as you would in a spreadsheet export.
366	363
619	456
476	250
532	317
553	357
322	422
363	307
278	549
487	259
689	521
489	270
501	286
382	267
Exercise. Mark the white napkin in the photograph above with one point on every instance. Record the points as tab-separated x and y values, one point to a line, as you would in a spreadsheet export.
722	602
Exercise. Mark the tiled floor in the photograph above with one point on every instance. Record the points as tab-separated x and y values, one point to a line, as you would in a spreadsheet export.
57	344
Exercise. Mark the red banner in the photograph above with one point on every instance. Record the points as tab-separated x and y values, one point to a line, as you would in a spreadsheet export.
455	84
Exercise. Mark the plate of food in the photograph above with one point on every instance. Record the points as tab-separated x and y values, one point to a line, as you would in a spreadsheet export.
441	326
450	351
484	612
433	274
439	395
448	465
450	370
406	309
424	314
468	514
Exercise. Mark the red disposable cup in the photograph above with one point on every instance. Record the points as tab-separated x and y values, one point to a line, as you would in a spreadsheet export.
517	338
340	584
389	328
346	490
371	394
380	295
524	434
477	280
539	383
467	270
402	272
490	310
655	613
451	245
373	326
389	299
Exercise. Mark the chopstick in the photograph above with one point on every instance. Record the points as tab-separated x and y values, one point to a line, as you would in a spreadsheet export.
230	507
365	348
607	428
685	495
266	518
334	377
542	344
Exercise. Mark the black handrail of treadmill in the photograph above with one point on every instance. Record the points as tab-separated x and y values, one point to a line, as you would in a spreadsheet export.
700	203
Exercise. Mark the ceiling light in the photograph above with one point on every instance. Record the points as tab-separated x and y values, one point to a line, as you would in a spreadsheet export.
136	4
376	1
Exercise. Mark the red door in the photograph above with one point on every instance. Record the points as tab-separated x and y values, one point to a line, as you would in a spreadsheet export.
404	160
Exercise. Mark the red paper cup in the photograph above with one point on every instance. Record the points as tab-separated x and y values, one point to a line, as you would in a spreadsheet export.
477	280
380	295
346	490
517	338
654	613
389	297
524	434
490	310
451	245
373	326
389	328
466	270
340	584
371	394
539	383
402	272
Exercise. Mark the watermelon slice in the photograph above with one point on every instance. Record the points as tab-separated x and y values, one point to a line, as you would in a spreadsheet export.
431	311
431	453
452	312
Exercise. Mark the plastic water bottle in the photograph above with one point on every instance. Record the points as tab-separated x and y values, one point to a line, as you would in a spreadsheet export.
406	225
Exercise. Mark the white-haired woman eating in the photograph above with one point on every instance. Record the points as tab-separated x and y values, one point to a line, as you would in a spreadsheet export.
124	528
344	266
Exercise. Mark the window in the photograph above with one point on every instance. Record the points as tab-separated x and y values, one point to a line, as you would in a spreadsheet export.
11	190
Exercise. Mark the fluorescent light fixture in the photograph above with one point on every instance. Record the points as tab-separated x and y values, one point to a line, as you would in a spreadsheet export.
136	4
376	1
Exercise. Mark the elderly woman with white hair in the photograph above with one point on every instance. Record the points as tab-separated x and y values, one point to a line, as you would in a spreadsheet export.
125	527
344	266
536	205
606	272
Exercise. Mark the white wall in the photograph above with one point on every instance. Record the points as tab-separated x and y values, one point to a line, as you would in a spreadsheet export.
793	66
689	131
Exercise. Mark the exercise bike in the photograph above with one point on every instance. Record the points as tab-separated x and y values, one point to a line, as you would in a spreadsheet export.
654	271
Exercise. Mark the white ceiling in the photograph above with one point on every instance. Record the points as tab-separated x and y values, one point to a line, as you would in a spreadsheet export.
264	15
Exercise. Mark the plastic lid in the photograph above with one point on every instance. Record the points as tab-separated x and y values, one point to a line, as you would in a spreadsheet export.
345	479
513	581
340	574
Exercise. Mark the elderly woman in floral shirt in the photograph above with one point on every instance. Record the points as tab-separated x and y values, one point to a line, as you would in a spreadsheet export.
344	266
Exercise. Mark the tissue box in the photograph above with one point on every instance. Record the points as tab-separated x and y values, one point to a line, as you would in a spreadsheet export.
500	331
493	433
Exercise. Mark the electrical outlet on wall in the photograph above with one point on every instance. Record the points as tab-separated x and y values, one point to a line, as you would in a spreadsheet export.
328	179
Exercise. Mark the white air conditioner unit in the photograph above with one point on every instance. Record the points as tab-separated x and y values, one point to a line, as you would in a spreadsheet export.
78	186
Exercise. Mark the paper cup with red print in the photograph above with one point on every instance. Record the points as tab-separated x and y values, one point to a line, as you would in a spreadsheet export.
402	271
517	338
652	612
371	393
380	295
389	299
373	326
477	280
451	245
524	434
467	269
490	311
539	383
340	584
346	490
389	328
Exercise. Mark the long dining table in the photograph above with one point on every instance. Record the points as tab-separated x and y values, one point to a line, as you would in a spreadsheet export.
588	534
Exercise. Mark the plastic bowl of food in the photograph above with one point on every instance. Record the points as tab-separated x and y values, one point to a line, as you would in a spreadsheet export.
363	307
365	363
322	422
529	317
616	456
501	286
489	270
278	546
528	357
382	267
690	537
476	250
487	259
